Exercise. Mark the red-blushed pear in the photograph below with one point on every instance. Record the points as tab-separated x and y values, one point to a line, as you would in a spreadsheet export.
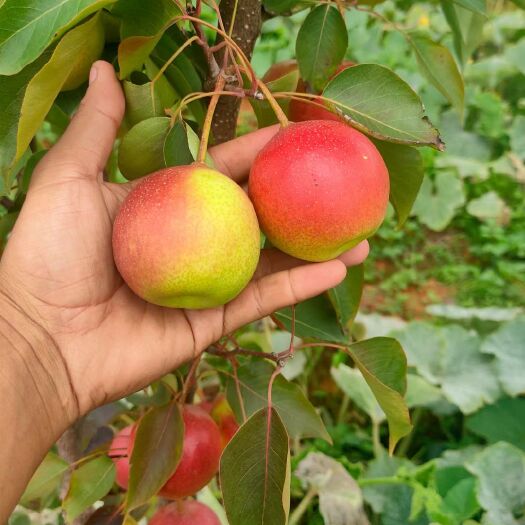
222	413
314	109
199	461
200	458
188	512
186	237
319	188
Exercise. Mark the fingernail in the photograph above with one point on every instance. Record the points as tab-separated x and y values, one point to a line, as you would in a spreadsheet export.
93	74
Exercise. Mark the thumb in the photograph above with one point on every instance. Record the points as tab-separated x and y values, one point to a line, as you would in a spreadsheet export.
88	140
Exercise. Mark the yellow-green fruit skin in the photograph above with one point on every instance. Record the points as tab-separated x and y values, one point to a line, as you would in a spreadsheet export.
186	237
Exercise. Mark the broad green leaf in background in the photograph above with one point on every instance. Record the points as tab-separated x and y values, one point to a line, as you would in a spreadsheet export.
508	346
500	470
421	393
378	102
142	148
176	149
490	206
142	27
70	63
440	68
346	296
352	383
405	169
295	410
46	479
321	45
12	91
468	376
255	472
383	364
502	421
474	5
29	26
314	318
340	498
262	109
156	453
89	483
438	200
517	135
141	102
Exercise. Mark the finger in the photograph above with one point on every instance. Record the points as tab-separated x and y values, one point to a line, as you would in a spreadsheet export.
234	158
273	260
89	138
277	290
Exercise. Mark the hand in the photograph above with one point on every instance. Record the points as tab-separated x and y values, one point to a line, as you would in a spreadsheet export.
58	265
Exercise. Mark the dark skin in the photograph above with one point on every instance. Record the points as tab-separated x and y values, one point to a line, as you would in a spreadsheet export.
72	334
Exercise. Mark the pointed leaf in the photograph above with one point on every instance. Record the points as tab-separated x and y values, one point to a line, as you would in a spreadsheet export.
29	26
254	471
438	65
314	318
405	169
70	63
176	149
156	453
321	45
382	362
141	102
46	479
295	410
142	149
376	101
89	483
473	5
346	296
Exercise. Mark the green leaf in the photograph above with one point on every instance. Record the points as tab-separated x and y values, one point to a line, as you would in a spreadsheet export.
503	421
376	101
142	149
321	45
29	26
314	318
12	91
142	26
353	384
46	479
262	109
460	501
421	393
279	7
345	297
29	169
7	223
297	413
176	148
519	3
478	6
500	470
141	102
490	206
382	362
438	200
69	63
438	65
405	169
89	483
255	472
156	453
506	344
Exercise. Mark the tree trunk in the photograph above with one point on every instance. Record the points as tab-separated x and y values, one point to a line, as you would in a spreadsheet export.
247	28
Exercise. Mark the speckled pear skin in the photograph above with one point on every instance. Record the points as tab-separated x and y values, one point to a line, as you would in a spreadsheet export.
319	188
186	237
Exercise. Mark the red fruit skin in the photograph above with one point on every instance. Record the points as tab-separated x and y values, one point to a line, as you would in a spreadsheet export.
319	188
280	69
189	512
301	110
120	452
201	454
222	414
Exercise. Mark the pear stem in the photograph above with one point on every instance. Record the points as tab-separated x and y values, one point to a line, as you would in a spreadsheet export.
205	137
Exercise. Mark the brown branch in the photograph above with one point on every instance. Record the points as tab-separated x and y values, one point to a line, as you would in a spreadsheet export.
246	29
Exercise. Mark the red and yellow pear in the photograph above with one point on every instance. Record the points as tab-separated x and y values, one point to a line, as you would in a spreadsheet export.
319	188
187	512
186	237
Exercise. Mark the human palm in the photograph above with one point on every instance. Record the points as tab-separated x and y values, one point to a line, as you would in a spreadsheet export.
58	265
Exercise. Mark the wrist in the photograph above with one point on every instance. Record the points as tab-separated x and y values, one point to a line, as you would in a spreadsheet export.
36	376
